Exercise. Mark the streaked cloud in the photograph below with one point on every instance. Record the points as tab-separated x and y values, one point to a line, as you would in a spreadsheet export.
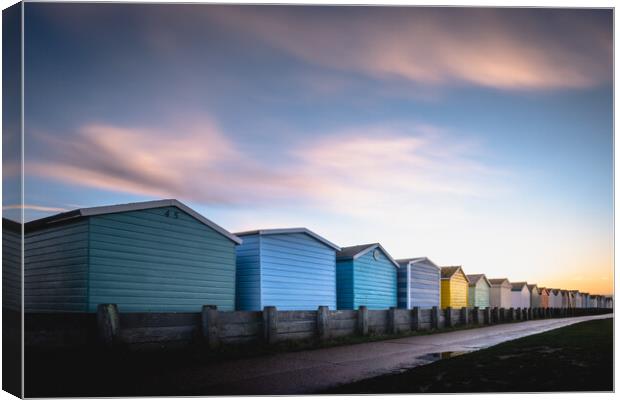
33	207
504	49
194	161
344	171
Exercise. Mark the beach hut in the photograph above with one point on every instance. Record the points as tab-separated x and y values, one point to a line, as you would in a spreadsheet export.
520	295
578	299
500	294
571	299
367	276
609	302
291	269
454	287
555	298
565	298
585	300
148	256
543	294
534	295
479	291
418	283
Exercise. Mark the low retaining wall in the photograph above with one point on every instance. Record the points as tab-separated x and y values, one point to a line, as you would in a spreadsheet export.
214	328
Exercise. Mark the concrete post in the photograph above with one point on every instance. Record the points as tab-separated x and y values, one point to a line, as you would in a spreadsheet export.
362	320
502	314
435	317
392	321
487	316
270	324
448	323
210	330
476	316
108	324
511	314
416	319
529	313
495	315
322	322
464	316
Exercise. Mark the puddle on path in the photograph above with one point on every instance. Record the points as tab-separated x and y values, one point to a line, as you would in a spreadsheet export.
430	358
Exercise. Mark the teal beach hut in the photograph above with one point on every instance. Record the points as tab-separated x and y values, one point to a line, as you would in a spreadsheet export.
367	276
291	269
479	291
149	256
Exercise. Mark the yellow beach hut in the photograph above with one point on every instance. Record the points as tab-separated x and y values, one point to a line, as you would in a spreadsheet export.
454	287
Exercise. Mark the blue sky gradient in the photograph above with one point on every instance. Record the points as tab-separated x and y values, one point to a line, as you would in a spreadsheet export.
480	137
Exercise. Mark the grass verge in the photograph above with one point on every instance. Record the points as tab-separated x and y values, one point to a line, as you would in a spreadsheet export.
574	358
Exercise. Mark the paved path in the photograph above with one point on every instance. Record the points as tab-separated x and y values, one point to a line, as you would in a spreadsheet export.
314	370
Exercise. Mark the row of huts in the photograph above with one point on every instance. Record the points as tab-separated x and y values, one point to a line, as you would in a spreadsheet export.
164	256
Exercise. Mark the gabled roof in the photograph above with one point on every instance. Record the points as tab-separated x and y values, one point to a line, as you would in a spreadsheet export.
543	289
498	281
475	278
518	286
354	252
448	272
409	261
532	286
118	208
289	231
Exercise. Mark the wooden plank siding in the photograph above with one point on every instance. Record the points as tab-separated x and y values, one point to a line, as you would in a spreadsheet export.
344	285
521	298
295	271
454	291
374	282
11	266
419	285
159	259
500	295
56	268
248	289
479	294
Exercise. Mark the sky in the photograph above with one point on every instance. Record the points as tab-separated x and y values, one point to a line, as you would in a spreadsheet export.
474	137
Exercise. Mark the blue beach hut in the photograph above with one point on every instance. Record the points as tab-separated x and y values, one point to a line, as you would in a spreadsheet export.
419	282
149	256
291	269
367	276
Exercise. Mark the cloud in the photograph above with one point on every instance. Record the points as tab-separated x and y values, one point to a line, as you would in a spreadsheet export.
504	49
194	161
395	168
33	208
350	171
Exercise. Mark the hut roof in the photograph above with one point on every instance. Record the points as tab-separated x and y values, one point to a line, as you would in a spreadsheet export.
518	286
498	281
532	286
289	231
117	208
475	278
354	252
408	261
448	272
